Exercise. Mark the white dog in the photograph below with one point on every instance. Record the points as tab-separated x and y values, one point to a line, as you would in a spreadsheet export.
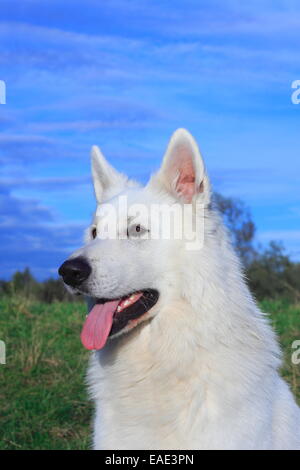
184	358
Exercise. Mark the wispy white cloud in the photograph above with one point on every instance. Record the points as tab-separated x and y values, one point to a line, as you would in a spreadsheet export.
290	235
54	184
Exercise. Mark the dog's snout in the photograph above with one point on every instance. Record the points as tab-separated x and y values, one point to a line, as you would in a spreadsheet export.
75	271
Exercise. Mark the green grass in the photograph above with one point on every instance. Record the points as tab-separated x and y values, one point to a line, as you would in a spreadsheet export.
44	404
286	322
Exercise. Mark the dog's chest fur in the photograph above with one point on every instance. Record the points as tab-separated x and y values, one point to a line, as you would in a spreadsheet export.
159	389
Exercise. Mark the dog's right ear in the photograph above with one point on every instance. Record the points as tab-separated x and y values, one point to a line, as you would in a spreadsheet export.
107	181
182	172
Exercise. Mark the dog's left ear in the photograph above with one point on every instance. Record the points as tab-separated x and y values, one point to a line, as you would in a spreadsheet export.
107	181
182	171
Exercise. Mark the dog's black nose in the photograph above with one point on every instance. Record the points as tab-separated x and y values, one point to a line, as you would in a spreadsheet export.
75	271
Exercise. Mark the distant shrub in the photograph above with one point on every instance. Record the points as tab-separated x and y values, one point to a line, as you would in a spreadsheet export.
23	284
273	275
270	272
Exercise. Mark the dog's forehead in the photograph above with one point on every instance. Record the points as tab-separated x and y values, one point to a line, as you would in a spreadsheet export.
122	204
131	197
141	204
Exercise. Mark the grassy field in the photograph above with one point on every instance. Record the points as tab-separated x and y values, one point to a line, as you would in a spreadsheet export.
43	399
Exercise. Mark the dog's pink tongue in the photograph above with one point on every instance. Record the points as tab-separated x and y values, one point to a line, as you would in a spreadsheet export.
98	324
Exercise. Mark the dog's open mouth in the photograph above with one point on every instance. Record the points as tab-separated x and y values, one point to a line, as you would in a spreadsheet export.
108	317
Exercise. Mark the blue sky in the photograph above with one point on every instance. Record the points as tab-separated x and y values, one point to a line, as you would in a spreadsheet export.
124	75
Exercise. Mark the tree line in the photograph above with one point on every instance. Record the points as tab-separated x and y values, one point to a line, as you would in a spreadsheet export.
269	271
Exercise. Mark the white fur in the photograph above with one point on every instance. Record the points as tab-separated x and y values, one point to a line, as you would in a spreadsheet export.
201	372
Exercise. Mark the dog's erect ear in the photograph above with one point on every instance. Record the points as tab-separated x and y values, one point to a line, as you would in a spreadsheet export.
107	180
182	172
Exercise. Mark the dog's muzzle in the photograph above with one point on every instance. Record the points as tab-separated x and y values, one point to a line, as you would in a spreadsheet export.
75	271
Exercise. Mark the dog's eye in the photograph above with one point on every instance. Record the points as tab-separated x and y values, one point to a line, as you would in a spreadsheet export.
94	233
136	231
